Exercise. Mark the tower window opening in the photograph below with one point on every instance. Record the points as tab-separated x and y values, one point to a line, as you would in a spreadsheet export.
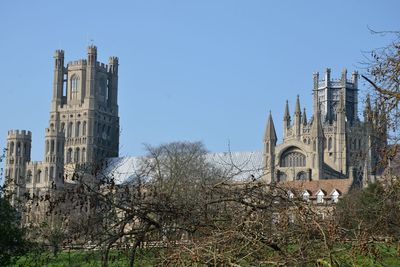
74	86
18	149
84	128
65	84
38	176
83	155
77	155
78	129
47	147
70	129
69	155
51	175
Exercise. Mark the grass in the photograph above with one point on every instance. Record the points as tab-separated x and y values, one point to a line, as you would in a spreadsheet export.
79	258
374	254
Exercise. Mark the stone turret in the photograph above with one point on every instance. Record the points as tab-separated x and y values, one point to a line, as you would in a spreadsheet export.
286	120
341	136
317	136
18	154
270	140
304	117
58	81
297	119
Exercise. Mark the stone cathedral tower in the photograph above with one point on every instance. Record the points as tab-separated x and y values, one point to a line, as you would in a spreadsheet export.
334	144
83	126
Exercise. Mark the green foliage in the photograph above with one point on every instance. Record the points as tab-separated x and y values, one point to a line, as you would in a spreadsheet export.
373	211
12	241
82	258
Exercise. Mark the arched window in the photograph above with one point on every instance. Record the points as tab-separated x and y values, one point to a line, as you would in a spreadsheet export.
52	146
69	155
330	143
46	174
62	126
83	154
47	146
18	149
69	133
301	176
51	175
74	83
38	176
293	157
77	155
78	129
12	149
26	150
74	86
84	128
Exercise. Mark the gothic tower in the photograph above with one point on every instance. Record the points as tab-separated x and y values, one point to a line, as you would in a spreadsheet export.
84	122
18	154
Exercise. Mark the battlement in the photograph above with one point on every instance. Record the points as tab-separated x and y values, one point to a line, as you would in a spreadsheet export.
113	60
92	49
19	134
101	66
343	81
59	53
80	62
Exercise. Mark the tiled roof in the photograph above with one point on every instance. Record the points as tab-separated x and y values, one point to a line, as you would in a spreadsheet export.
328	186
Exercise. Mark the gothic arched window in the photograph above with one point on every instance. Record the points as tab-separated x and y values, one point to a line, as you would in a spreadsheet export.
77	155
84	128
74	86
302	176
83	158
74	83
69	155
293	157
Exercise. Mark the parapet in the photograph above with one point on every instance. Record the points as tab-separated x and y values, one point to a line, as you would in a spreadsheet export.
113	60
20	134
81	62
328	82
59	53
92	49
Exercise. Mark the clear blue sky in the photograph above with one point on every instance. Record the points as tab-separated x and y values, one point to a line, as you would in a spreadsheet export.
189	70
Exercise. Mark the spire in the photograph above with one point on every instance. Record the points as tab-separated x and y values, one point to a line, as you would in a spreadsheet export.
286	117
297	108
270	133
304	118
367	109
316	128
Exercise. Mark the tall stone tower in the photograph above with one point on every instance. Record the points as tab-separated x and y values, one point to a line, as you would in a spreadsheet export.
18	154
84	122
83	127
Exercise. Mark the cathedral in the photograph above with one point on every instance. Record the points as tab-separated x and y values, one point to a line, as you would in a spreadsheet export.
334	144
